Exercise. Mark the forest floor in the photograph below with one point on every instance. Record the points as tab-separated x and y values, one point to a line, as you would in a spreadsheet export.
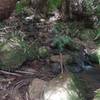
15	84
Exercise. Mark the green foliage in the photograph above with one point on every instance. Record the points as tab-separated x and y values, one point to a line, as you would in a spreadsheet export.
92	7
74	28
95	56
53	4
97	38
14	50
60	28
98	54
12	53
21	5
43	52
89	6
79	86
98	31
19	8
98	9
61	41
97	95
78	29
87	34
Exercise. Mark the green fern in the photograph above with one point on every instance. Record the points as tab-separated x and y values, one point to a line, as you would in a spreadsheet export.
61	41
21	5
19	8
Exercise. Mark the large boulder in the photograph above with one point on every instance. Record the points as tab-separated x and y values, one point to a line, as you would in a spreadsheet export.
14	50
36	89
64	87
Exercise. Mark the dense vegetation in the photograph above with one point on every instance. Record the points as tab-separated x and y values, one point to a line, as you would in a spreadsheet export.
54	36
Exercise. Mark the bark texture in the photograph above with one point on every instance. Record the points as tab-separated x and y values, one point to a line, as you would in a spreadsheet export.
6	8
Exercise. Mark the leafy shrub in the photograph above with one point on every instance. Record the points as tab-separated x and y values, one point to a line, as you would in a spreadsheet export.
60	28
92	7
14	50
19	8
43	52
89	6
61	41
53	4
21	5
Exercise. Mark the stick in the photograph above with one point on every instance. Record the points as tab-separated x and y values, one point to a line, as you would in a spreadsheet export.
24	72
61	63
9	73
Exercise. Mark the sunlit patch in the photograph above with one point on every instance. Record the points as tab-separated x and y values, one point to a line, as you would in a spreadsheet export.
62	92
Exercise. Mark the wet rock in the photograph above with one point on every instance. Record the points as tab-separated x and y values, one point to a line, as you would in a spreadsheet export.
63	87
55	68
11	53
36	89
76	69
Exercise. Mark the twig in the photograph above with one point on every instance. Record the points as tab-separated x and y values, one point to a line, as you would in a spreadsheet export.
61	63
24	72
9	73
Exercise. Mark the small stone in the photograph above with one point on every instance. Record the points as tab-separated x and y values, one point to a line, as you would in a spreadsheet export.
36	89
55	68
56	58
